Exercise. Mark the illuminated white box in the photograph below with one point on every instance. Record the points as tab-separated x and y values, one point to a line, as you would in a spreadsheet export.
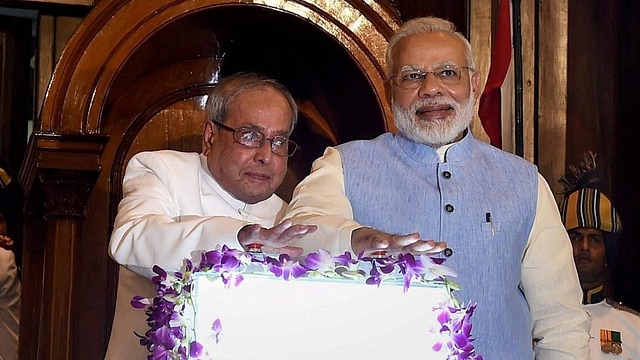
270	318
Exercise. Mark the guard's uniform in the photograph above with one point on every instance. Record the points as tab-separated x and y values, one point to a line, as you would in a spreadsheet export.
615	328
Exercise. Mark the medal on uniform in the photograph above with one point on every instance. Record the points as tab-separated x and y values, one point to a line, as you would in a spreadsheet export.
610	342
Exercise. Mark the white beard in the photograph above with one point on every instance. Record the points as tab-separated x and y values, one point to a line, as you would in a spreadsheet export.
436	132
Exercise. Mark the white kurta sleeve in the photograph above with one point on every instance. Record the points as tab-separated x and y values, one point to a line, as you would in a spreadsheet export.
320	199
152	228
9	306
550	284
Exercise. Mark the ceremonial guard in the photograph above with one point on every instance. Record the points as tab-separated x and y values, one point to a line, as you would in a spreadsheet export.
594	227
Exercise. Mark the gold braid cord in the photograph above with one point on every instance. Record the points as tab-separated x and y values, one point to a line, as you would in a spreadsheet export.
619	306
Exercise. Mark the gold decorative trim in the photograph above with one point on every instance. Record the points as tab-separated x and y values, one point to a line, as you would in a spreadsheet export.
338	18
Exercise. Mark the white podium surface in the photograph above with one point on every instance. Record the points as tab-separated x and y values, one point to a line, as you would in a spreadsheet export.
270	318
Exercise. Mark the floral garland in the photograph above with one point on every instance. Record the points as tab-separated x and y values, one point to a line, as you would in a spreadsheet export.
171	337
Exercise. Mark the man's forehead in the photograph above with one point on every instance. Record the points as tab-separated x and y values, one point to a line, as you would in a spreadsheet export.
270	114
586	231
437	47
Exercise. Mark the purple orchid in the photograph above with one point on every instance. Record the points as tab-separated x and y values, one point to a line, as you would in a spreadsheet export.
411	269
320	261
434	270
226	263
216	329
140	302
196	350
285	267
381	268
455	328
375	277
346	259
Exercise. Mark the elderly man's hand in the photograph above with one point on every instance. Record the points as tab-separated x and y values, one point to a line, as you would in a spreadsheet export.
369	240
6	242
276	239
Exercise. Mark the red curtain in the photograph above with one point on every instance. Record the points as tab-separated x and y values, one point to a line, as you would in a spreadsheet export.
489	109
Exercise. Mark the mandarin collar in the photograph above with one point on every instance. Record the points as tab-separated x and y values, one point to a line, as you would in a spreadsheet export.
593	296
209	186
420	152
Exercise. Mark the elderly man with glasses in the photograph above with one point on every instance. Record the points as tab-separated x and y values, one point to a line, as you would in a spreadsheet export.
175	202
434	180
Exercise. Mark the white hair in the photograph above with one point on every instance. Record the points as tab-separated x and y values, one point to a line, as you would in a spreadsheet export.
425	25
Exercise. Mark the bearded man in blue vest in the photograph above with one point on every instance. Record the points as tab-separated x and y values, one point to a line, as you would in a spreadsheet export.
433	180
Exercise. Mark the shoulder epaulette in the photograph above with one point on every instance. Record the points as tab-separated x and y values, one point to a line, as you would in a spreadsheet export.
621	307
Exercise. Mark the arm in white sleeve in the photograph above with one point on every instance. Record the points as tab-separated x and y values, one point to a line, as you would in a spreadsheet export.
149	228
320	200
550	284
9	305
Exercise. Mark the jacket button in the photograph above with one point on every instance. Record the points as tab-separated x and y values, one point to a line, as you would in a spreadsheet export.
446	174
448	208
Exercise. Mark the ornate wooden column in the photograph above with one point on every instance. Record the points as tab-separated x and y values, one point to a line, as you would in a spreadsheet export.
65	169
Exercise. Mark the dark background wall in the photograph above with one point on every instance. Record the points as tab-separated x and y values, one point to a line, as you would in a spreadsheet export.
626	156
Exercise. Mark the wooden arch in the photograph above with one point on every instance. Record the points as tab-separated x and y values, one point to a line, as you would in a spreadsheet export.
134	77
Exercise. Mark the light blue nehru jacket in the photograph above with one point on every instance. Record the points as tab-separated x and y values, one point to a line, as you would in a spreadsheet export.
401	187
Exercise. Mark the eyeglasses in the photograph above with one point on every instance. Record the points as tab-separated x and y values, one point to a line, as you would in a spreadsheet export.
253	138
448	74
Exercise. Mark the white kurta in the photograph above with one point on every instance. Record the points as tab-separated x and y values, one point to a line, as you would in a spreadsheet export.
9	306
605	316
171	207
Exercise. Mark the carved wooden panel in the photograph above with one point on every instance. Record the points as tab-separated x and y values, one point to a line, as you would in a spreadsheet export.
58	2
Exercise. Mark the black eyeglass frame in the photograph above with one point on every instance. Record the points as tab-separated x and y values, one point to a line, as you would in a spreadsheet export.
236	132
395	79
